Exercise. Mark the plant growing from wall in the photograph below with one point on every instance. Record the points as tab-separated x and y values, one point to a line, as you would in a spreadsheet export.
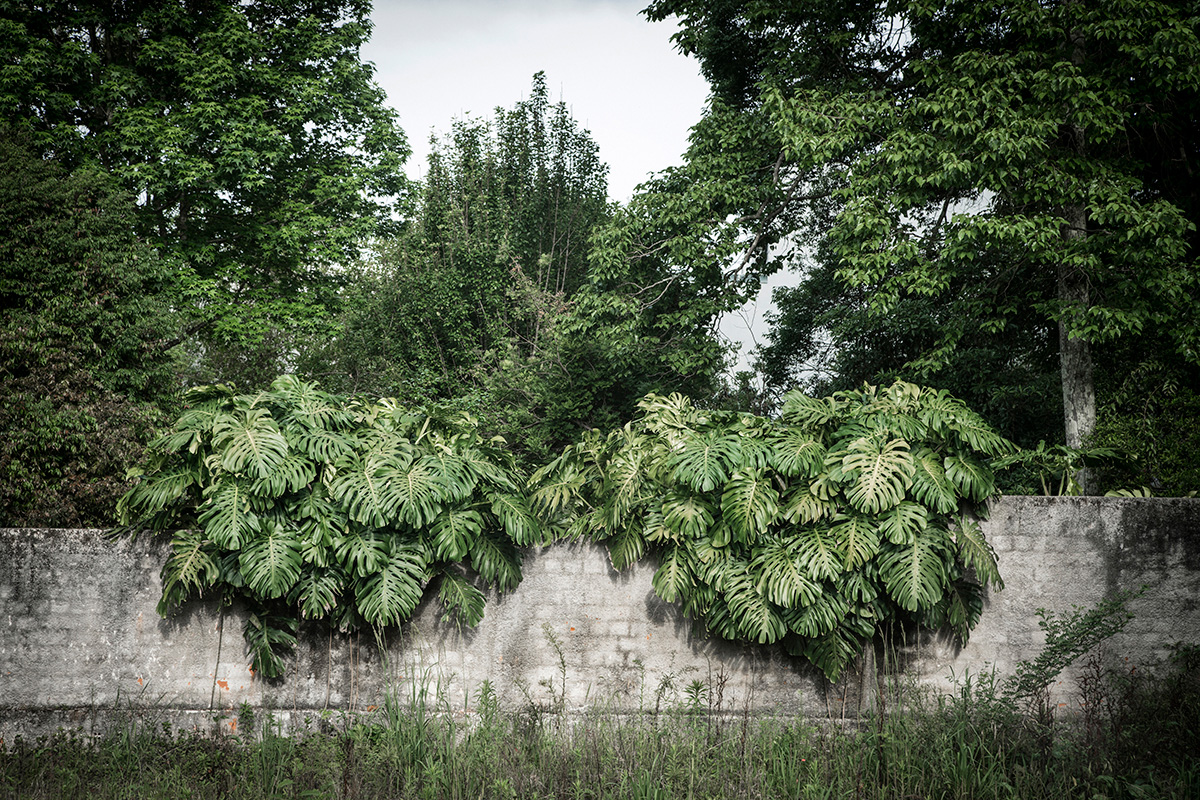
307	505
811	530
1056	467
1068	638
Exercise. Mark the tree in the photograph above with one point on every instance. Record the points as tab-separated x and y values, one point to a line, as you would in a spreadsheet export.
1150	403
823	337
691	245
251	134
82	361
468	305
1010	161
531	180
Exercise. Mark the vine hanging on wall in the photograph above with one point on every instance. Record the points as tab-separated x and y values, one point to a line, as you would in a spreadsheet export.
812	530
306	504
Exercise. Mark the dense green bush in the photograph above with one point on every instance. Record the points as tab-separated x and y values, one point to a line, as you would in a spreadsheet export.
84	341
66	442
811	530
307	504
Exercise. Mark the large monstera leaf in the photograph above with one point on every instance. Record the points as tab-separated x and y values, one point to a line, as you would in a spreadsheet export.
389	595
190	567
809	530
783	573
706	461
418	492
226	514
308	505
674	577
462	600
915	574
453	532
749	504
249	442
756	618
270	562
881	471
687	515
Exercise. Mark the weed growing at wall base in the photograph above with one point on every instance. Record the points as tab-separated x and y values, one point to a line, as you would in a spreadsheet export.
1143	740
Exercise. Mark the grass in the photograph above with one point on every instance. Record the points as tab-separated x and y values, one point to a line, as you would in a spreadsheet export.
1136	737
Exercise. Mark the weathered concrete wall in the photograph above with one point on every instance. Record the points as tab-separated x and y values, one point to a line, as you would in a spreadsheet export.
1059	553
80	641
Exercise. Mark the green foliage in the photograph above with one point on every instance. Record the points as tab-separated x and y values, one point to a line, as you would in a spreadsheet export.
82	316
685	250
308	505
524	189
824	337
966	189
468	304
1149	402
1142	740
1067	639
69	259
1056	467
252	135
810	530
66	441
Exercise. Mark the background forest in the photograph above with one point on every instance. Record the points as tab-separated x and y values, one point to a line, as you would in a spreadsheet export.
996	199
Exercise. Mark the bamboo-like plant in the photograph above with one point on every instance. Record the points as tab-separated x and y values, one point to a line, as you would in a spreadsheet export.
308	505
811	530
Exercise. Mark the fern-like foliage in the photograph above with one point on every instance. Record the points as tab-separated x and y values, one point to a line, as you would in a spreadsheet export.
811	530
309	505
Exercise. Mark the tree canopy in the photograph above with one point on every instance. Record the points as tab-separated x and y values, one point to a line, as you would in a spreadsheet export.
251	134
519	293
1023	167
506	202
82	364
466	304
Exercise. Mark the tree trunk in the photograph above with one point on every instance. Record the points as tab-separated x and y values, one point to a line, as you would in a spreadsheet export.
1075	354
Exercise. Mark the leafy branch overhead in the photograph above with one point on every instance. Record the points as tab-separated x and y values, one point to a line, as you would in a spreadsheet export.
849	512
309	505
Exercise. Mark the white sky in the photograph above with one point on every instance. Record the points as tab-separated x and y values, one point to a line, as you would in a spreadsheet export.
619	73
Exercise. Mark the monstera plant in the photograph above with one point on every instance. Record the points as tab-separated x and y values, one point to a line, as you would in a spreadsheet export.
305	504
812	530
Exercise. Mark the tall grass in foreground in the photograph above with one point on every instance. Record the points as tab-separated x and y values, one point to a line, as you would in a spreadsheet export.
1135	738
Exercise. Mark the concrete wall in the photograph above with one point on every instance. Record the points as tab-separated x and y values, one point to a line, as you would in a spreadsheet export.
82	646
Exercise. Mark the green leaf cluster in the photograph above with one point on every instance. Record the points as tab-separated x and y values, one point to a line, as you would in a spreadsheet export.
972	194
307	505
474	303
257	144
83	310
811	530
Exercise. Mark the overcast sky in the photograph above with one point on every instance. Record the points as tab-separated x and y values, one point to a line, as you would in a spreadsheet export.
619	73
